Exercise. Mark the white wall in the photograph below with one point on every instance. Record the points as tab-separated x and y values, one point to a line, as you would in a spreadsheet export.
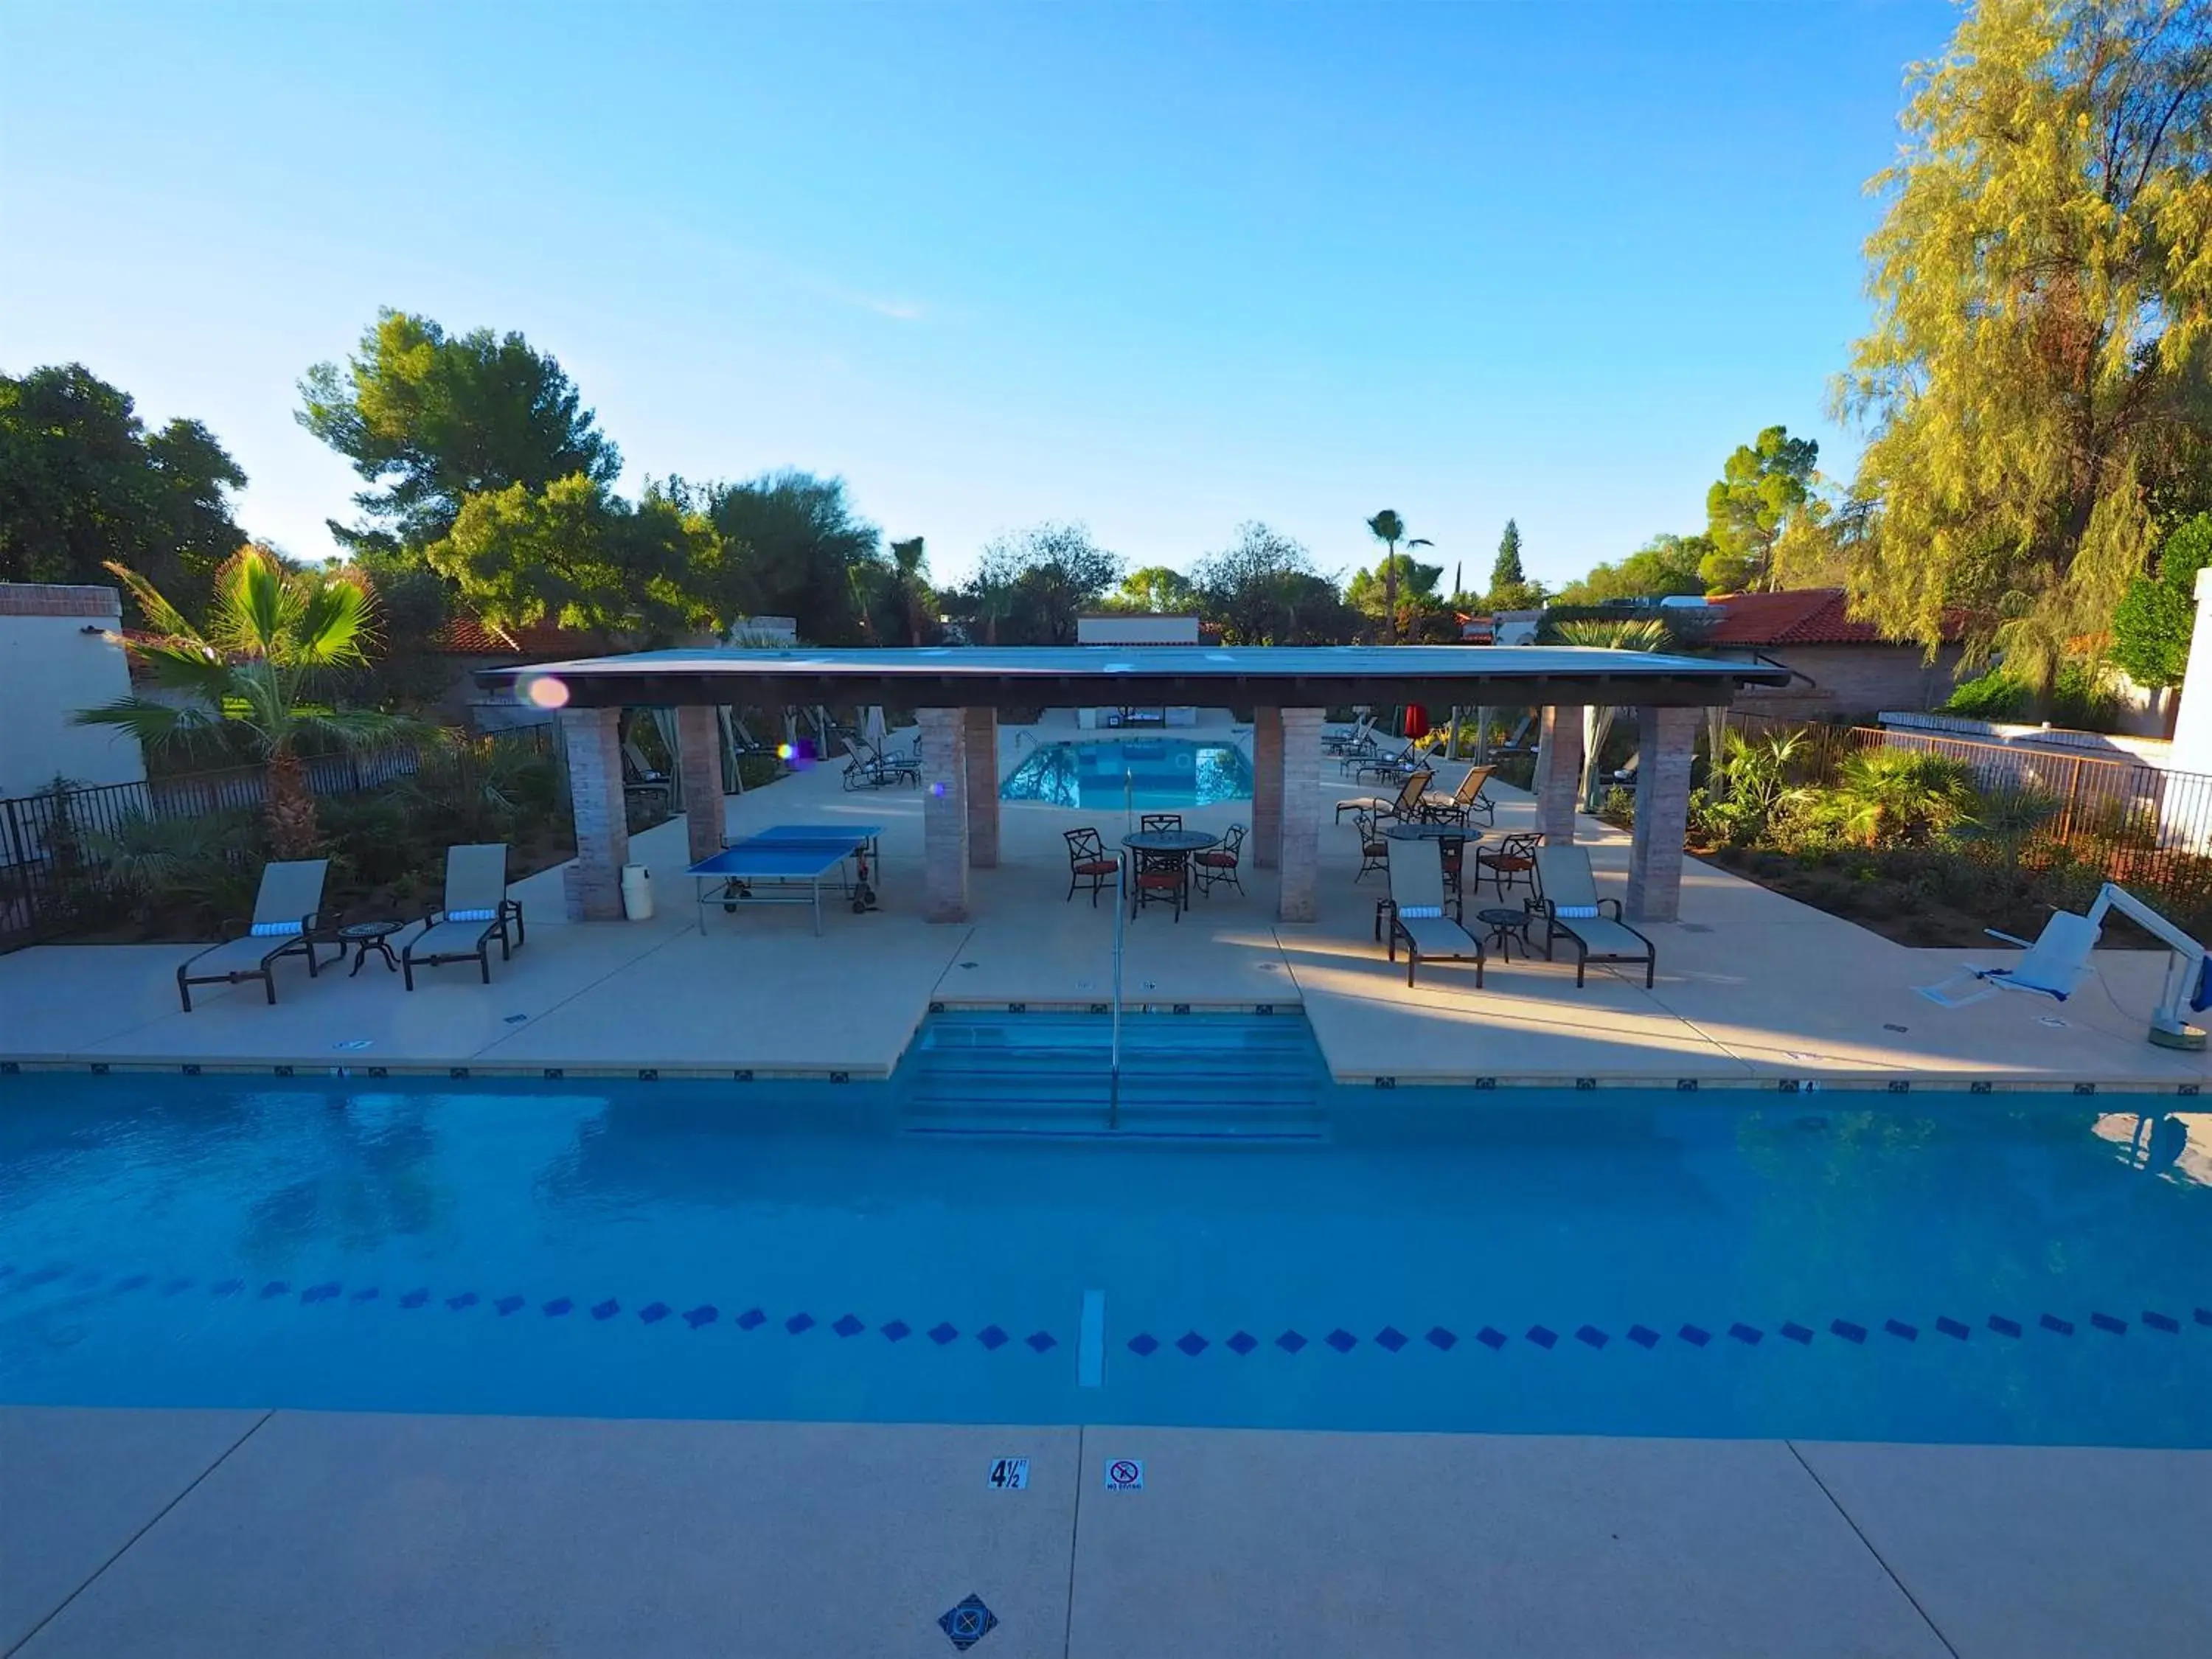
50	668
1136	629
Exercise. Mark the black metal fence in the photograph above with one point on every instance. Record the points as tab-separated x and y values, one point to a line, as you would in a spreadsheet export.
55	836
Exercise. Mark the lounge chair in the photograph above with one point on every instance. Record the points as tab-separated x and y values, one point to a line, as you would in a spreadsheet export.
1570	909
287	918
871	767
476	911
1465	802
2053	966
1357	739
1384	808
1417	911
1371	758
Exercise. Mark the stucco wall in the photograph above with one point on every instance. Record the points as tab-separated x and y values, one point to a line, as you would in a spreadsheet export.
51	667
1854	679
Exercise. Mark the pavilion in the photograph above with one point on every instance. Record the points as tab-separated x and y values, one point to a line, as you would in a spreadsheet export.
958	692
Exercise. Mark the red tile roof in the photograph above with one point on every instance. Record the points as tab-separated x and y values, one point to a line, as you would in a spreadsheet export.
1807	616
465	636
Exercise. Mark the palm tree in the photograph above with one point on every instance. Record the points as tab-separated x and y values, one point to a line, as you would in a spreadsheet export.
911	566
272	632
1387	527
1627	634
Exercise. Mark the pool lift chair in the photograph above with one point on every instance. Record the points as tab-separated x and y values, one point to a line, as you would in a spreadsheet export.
2057	962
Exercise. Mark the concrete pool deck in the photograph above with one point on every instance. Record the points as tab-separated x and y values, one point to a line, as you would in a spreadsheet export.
222	1532
1753	990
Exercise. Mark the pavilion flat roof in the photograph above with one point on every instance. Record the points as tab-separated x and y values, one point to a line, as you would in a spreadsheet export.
1021	677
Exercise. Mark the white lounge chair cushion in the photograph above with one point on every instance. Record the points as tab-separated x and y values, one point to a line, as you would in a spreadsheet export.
1433	936
449	937
236	956
1602	938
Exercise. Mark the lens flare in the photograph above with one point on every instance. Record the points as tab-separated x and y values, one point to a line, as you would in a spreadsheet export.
548	692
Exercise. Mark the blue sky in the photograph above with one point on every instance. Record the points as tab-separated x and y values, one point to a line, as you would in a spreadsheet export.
1158	268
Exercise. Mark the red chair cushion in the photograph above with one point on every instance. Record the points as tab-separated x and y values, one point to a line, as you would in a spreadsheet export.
1094	869
1220	860
1163	878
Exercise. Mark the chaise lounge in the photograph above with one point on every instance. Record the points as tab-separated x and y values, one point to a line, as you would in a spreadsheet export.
287	919
1570	909
476	911
1417	911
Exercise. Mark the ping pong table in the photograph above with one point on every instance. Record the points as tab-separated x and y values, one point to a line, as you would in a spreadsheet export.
788	865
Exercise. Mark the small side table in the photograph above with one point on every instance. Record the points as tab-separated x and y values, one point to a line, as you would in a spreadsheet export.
366	936
1505	926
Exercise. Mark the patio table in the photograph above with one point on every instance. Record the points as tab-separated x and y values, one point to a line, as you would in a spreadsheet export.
1178	844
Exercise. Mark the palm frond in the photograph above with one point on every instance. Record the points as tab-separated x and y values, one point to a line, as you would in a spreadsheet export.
154	723
186	669
255	605
160	615
333	624
358	728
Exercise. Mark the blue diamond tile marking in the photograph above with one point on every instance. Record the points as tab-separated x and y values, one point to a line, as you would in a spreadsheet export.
557	1306
1290	1342
1242	1343
898	1330
1341	1340
414	1298
320	1293
1590	1334
2159	1321
1847	1330
847	1326
1144	1344
1951	1327
2053	1322
751	1320
1541	1337
465	1299
1643	1336
2105	1321
365	1294
1491	1338
1441	1340
508	1305
1746	1334
1040	1341
1900	1329
2203	1315
992	1338
654	1312
1392	1338
941	1334
969	1623
2004	1327
800	1323
275	1287
1796	1333
1192	1344
1693	1336
606	1310
705	1314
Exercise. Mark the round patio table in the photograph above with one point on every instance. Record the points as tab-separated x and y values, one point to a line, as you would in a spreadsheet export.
1178	844
1505	926
366	936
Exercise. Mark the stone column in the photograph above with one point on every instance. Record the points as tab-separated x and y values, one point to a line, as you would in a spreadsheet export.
699	765
979	736
1301	815
1267	788
591	885
1559	773
944	814
1667	741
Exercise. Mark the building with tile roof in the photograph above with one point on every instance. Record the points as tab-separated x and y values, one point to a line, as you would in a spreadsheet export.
1839	665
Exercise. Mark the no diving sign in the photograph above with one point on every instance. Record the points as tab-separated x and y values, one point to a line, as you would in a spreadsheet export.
1125	1474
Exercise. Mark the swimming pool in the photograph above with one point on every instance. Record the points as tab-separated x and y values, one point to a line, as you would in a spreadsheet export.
2023	1269
1155	771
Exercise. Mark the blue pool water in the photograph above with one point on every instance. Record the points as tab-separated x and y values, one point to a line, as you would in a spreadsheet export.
1158	771
1988	1269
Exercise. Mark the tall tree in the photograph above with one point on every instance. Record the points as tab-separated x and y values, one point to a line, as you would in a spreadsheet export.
84	485
793	545
1262	589
1155	590
2043	292
2153	624
1388	528
271	633
1664	566
1029	586
1763	486
1400	590
1506	571
916	598
429	419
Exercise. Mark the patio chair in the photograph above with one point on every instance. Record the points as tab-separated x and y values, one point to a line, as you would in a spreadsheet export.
477	910
1464	802
1218	864
1381	767
1516	743
1405	803
2053	966
1373	850
1158	879
641	780
287	918
1511	863
1417	911
1088	860
1355	739
1149	823
869	768
1570	909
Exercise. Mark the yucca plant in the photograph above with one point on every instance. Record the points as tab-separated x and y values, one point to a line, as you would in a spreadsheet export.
272	631
1888	797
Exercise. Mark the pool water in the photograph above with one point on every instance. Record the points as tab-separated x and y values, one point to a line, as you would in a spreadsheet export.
1146	772
2023	1269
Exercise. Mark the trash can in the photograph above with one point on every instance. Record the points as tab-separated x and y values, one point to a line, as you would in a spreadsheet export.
637	892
